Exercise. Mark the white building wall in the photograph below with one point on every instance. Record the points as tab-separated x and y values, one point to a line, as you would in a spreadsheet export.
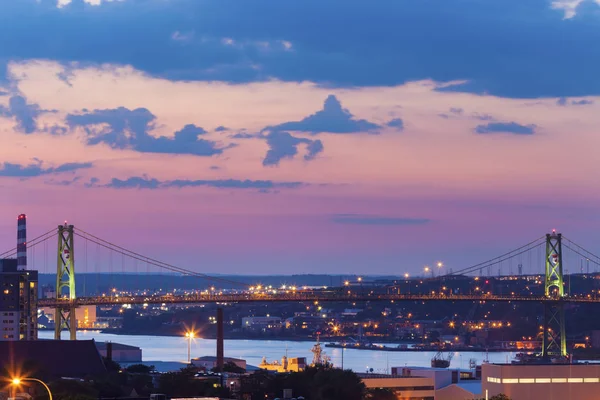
548	382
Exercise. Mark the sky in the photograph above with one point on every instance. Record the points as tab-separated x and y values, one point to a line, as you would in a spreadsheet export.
270	137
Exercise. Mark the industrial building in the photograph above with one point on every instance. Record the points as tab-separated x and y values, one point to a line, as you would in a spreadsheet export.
18	300
120	352
210	362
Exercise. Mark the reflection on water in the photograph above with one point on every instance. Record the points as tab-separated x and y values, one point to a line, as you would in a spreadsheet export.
171	348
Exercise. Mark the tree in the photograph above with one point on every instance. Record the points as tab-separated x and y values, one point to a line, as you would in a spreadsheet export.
183	383
500	396
140	369
230	367
69	389
319	383
380	394
110	365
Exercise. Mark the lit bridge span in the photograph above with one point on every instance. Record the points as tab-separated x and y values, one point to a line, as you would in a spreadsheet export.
554	297
301	296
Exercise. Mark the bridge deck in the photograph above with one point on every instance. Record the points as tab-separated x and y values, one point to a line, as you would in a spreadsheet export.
299	297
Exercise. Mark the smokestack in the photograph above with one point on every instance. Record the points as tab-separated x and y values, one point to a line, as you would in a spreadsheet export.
109	350
220	359
22	242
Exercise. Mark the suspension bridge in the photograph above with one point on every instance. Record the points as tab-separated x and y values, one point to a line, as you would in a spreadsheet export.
554	296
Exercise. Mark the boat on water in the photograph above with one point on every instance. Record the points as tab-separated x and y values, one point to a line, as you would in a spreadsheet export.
439	361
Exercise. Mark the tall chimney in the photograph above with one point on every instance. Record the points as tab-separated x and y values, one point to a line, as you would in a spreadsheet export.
220	358
109	349
22	242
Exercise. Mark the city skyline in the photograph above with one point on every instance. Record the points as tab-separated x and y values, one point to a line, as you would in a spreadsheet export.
214	138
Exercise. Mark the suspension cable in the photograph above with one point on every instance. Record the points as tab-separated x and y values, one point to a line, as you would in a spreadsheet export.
583	249
140	257
31	243
577	252
493	261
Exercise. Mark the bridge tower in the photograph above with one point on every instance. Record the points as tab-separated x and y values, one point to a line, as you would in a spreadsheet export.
554	340
64	317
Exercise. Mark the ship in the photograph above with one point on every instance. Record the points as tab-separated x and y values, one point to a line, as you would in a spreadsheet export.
438	361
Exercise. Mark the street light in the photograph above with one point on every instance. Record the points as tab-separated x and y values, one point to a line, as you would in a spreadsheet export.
17	382
190	335
427	269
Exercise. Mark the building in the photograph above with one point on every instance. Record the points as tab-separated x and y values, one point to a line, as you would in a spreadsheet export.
418	383
84	315
210	362
403	387
547	381
18	302
262	324
52	358
294	364
119	352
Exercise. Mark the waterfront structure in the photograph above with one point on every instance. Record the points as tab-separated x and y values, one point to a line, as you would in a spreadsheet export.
210	362
85	316
545	381
119	352
294	364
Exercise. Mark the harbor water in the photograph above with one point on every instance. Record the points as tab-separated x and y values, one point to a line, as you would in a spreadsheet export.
174	349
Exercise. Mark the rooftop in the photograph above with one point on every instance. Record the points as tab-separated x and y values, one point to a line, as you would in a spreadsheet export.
213	358
43	357
115	346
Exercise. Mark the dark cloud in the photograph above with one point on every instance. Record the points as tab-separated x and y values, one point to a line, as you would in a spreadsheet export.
36	169
456	110
56	130
244	135
92	183
186	40
25	114
360	219
563	101
332	119
396	123
3	93
506	127
221	129
122	128
283	145
151	183
483	117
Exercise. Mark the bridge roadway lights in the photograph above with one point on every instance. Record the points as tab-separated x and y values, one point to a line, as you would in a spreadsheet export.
64	316
298	297
554	337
